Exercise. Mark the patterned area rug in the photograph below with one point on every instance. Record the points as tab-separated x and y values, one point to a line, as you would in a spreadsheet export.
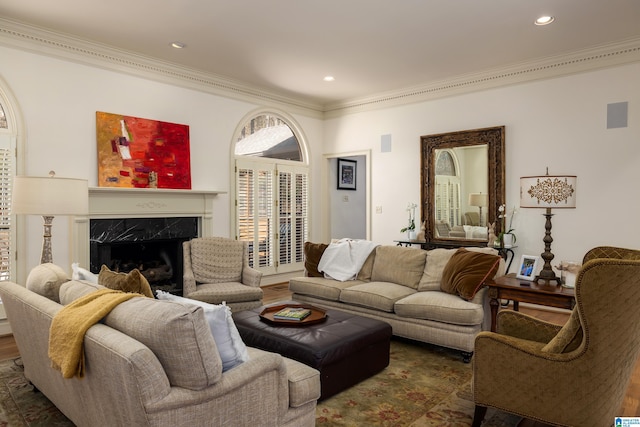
20	405
423	385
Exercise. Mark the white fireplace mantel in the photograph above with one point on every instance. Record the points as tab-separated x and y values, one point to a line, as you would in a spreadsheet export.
108	202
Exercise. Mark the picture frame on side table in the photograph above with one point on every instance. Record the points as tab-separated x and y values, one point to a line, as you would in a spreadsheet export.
528	267
347	174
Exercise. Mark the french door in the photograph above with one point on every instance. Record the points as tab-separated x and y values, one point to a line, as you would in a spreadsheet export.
272	213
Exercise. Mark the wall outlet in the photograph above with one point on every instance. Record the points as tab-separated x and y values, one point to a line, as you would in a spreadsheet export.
378	209
345	198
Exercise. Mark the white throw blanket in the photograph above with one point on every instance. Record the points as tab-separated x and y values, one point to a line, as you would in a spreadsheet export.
343	259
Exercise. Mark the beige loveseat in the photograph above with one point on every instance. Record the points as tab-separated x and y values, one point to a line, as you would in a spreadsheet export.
402	286
155	363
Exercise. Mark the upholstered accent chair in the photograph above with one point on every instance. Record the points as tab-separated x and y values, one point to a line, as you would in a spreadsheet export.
571	375
216	270
471	218
444	230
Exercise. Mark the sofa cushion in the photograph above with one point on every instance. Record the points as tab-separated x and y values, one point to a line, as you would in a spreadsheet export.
177	334
398	264
376	295
320	287
312	254
133	281
230	346
467	271
437	259
74	289
440	307
46	279
79	273
365	272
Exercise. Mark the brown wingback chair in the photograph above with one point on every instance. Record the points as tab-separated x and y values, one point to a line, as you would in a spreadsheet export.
574	375
216	269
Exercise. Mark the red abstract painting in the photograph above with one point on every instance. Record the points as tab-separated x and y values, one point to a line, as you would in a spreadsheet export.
142	153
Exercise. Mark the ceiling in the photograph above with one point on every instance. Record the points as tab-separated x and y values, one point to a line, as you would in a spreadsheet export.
369	46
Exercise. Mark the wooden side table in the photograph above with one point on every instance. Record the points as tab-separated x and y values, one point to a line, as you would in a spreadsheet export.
517	290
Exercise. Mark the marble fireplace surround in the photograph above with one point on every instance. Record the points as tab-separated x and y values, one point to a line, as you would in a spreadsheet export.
118	203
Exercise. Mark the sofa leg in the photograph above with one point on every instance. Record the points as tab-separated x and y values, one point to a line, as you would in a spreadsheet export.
466	356
478	415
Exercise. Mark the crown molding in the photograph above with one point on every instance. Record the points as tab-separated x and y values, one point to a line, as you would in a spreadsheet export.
19	35
594	58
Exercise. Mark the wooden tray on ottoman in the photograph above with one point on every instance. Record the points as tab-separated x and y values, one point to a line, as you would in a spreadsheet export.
317	315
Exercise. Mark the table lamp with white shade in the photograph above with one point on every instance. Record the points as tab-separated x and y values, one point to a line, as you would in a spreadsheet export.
548	191
49	196
479	200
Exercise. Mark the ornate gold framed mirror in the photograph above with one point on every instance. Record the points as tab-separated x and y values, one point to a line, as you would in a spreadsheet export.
462	175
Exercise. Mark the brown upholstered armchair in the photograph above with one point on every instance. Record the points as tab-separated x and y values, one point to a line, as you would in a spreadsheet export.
216	269
574	375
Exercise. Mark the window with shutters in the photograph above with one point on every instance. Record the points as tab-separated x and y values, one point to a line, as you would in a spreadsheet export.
271	194
447	189
7	162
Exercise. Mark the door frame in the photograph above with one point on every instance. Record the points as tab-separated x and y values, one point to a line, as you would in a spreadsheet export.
326	193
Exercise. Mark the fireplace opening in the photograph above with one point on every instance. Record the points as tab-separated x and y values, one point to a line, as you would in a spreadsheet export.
152	245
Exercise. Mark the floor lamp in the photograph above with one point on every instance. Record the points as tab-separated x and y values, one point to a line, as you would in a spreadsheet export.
49	196
558	191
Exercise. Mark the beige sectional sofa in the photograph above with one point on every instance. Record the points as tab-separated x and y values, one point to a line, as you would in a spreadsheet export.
155	363
403	287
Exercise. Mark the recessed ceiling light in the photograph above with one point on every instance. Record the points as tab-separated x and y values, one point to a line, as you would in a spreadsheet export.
178	45
329	78
544	20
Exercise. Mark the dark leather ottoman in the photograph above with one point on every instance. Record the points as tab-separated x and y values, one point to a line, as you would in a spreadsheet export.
345	348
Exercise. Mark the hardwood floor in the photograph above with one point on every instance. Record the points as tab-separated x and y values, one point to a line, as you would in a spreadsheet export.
8	348
280	292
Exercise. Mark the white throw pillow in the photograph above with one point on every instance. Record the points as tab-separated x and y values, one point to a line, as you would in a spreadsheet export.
232	349
79	273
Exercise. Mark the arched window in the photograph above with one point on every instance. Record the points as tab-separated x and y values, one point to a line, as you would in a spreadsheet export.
447	191
271	193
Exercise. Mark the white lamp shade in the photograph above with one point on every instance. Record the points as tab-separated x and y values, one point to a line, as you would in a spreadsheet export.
478	199
548	191
49	196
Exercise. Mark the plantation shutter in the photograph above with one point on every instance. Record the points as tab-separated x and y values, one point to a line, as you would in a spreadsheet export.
254	184
7	234
293	219
271	214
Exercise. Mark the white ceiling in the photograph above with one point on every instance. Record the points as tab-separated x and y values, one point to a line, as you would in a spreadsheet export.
369	46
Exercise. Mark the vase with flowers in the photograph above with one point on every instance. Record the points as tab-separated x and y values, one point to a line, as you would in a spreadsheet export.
410	229
506	238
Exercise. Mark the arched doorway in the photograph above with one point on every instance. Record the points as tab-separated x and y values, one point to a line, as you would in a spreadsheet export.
272	191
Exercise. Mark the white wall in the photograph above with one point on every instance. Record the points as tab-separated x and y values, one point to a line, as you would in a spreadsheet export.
559	123
58	101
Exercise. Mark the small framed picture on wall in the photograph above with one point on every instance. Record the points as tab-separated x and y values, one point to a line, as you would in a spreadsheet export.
347	174
528	267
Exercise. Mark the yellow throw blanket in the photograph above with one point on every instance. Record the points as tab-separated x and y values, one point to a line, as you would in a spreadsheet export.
70	324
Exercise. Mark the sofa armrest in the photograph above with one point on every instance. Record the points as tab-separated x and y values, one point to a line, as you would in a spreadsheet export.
188	282
251	276
263	377
188	279
523	326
